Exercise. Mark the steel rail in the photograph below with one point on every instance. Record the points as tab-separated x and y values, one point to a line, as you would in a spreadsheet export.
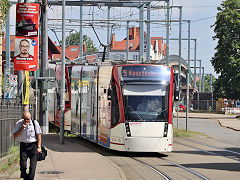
209	152
164	176
187	169
208	145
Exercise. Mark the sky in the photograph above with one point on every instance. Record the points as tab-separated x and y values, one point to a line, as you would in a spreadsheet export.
201	13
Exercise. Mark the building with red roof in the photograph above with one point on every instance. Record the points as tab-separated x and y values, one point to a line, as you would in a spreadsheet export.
118	48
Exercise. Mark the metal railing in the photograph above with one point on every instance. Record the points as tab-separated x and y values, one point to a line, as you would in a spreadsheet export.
10	112
204	105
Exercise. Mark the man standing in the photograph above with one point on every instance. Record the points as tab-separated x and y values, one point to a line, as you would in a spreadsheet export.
30	144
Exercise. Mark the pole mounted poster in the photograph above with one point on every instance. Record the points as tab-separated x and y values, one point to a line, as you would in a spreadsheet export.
26	41
27	19
26	54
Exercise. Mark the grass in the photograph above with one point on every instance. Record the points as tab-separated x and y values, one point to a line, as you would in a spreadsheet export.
56	130
184	133
12	160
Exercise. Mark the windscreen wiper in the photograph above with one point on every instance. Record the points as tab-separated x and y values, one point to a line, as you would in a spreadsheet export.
140	118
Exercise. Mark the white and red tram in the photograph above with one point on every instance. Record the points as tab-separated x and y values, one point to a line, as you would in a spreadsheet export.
124	107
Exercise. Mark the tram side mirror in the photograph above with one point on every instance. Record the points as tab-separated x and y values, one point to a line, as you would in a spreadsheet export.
109	94
176	95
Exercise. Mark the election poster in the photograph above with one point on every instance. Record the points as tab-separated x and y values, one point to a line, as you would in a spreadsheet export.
26	54
27	19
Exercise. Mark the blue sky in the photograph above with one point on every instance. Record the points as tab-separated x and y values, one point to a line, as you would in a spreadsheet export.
193	10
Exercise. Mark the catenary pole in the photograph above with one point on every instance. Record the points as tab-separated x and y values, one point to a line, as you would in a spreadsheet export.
195	63
108	31
63	75
36	83
81	36
19	77
141	33
179	57
127	49
7	67
167	32
43	118
148	32
200	76
188	73
211	89
203	79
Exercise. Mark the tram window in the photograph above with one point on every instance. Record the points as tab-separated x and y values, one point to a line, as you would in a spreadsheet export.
115	107
105	91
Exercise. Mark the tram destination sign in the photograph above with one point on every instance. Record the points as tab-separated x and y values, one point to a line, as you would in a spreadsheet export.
145	72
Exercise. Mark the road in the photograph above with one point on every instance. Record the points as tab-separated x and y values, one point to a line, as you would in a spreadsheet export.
210	127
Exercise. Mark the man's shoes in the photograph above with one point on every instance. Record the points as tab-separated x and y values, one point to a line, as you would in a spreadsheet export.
23	175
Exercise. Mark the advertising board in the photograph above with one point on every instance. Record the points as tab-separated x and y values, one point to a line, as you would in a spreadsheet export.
26	53
27	19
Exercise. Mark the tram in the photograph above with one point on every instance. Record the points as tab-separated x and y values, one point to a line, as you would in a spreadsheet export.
124	107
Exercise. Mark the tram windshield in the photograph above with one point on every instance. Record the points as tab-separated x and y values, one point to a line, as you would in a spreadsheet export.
146	103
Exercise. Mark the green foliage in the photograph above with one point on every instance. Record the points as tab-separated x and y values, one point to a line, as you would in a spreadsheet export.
13	153
226	60
4	8
74	39
183	133
207	82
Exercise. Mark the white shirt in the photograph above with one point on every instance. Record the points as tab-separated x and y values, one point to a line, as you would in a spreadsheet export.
28	133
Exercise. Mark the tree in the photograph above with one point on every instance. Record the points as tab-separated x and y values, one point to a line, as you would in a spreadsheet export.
75	40
4	8
207	82
226	60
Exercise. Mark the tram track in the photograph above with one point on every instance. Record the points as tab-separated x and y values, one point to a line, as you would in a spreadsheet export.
187	169
164	175
236	155
208	145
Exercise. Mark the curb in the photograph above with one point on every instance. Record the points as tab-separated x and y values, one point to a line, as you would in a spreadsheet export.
4	160
220	123
122	174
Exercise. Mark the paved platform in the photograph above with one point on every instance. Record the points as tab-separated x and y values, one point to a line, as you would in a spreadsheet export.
73	162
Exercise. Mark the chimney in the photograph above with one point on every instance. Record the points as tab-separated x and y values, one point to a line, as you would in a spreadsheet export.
113	41
84	48
160	46
165	50
134	32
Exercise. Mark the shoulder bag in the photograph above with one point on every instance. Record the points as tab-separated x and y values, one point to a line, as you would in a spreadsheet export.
42	155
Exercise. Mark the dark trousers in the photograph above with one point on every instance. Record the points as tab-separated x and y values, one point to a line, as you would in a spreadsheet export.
28	150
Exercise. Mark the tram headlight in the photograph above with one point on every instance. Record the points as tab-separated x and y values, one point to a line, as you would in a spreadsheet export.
128	132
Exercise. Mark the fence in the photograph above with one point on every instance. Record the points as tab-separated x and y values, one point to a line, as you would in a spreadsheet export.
204	105
10	113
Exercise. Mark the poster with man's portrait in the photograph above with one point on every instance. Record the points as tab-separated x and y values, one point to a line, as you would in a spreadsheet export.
26	54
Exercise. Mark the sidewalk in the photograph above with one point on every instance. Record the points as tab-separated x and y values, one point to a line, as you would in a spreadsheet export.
228	121
73	162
